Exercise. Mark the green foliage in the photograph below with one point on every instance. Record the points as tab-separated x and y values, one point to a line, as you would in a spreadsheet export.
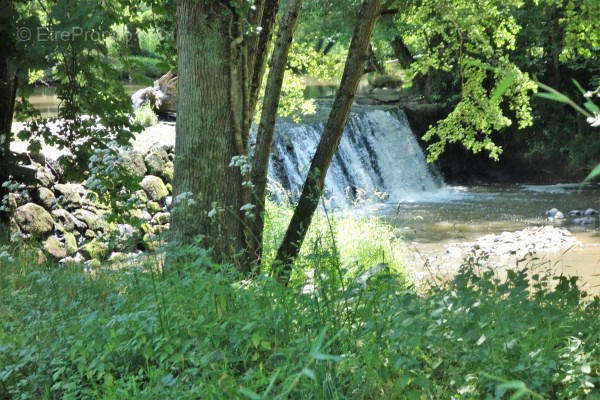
145	116
188	333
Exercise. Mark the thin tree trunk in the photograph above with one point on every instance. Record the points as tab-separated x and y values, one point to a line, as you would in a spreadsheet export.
133	40
258	55
264	140
402	53
8	94
313	186
207	190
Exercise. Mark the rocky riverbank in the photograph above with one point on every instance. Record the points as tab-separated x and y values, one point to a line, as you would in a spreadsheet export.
73	226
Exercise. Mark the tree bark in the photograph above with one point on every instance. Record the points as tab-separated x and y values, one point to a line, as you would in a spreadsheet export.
402	53
8	94
133	40
257	57
313	186
266	128
208	192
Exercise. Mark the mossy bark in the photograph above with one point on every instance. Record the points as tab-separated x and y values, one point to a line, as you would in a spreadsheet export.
8	93
208	130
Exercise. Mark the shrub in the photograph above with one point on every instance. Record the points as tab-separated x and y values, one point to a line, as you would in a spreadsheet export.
188	333
145	116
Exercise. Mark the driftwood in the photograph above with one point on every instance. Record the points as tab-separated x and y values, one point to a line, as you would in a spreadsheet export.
162	96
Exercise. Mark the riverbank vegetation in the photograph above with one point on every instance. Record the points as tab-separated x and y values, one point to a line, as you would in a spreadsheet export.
202	331
172	274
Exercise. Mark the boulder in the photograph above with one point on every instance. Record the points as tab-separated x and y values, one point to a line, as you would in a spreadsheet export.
71	193
91	219
70	243
67	220
46	197
55	247
94	249
162	218
585	221
134	163
44	176
590	212
154	187
33	219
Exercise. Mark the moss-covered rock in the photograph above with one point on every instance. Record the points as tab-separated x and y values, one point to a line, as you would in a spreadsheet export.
154	187
33	219
67	221
55	247
70	243
153	207
95	249
46	197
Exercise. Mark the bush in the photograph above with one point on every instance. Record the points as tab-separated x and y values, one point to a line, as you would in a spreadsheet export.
145	116
187	333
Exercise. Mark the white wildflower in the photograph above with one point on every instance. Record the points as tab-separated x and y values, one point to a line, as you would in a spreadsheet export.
247	207
594	121
588	94
212	213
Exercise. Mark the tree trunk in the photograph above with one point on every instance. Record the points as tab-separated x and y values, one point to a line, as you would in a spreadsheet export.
402	53
313	186
8	94
257	56
207	190
266	128
133	40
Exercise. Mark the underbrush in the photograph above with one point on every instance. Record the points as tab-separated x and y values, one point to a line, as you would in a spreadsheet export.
199	331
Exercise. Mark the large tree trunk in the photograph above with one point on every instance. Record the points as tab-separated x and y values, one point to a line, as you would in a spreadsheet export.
266	128
208	129
313	186
8	93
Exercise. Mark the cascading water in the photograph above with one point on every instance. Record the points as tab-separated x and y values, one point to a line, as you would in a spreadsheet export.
378	159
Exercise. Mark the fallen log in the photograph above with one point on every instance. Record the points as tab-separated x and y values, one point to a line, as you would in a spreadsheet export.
162	97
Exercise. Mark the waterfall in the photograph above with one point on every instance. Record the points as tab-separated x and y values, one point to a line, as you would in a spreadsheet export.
379	159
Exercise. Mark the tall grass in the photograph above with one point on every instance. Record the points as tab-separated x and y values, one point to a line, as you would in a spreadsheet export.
202	331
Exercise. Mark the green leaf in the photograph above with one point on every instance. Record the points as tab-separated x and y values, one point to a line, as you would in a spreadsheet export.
595	172
578	86
554	97
249	393
502	87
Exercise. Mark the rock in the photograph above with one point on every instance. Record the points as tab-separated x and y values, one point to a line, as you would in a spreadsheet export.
153	207
590	212
169	201
94	249
156	160
552	212
71	193
70	243
91	220
33	219
559	215
55	247
67	220
46	197
141	196
12	201
162	218
44	176
585	221
575	213
154	187
134	163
